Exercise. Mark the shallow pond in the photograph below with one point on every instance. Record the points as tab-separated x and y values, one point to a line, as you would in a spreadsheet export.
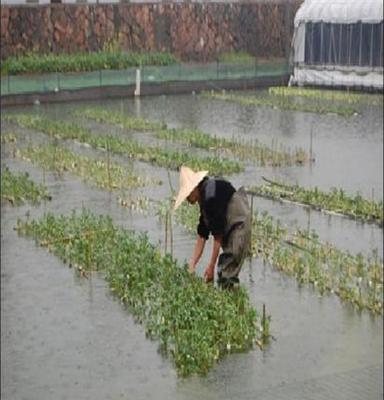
67	338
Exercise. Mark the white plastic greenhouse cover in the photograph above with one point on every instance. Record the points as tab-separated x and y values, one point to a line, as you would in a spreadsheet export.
340	11
335	12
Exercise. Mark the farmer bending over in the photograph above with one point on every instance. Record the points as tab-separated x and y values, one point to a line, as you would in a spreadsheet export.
224	212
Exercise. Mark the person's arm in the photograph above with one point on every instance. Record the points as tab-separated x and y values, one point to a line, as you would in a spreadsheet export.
198	251
210	270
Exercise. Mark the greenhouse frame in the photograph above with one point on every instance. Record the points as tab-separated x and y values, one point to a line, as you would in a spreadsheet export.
338	43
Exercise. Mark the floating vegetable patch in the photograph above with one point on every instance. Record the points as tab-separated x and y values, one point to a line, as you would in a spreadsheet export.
130	148
252	150
196	324
357	279
336	200
19	188
333	95
284	103
102	173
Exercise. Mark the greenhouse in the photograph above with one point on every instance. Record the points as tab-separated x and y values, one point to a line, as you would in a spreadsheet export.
338	43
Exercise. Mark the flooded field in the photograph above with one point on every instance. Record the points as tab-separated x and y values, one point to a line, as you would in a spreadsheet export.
66	337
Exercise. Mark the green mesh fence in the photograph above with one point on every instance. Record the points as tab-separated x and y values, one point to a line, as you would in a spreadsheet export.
18	84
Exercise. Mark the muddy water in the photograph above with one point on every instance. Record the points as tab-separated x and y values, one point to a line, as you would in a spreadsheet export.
67	338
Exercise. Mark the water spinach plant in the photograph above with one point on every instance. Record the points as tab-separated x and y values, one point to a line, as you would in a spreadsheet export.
323	94
335	200
196	324
8	137
130	148
253	150
101	172
19	188
355	278
284	103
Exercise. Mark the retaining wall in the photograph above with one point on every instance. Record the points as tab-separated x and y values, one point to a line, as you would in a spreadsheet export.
192	31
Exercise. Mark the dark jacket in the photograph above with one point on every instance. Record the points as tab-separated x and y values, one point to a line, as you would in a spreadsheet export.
215	195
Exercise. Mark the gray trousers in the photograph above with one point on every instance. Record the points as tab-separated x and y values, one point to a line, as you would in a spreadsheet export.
236	241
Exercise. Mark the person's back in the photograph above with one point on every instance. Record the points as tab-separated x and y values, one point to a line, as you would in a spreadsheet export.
224	213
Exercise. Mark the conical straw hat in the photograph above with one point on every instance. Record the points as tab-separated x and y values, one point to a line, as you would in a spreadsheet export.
188	181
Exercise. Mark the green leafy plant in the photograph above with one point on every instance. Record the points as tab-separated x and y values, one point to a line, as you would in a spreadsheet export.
236	57
333	95
19	188
109	59
130	148
335	200
196	324
241	149
8	137
100	172
285	103
357	279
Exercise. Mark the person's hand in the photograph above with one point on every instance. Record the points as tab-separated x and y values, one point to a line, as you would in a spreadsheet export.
191	267
209	273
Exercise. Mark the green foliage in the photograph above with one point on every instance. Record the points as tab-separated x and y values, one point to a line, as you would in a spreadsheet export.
19	188
8	137
102	173
118	118
196	324
285	103
356	279
130	148
241	149
332	95
236	57
336	200
80	62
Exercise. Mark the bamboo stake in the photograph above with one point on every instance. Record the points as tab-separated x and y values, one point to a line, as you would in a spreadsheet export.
263	322
166	233
310	146
171	232
250	243
170	183
108	164
373	201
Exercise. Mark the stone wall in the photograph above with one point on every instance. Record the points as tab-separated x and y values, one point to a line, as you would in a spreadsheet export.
192	31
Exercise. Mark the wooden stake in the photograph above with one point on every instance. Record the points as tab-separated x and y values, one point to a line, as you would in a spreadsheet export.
166	233
171	232
250	242
263	322
310	146
108	165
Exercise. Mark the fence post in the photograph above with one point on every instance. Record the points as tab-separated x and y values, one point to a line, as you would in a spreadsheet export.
138	82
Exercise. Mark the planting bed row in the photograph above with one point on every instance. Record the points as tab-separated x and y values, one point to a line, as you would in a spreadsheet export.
130	148
333	95
354	278
251	150
18	188
103	173
195	323
283	102
336	200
